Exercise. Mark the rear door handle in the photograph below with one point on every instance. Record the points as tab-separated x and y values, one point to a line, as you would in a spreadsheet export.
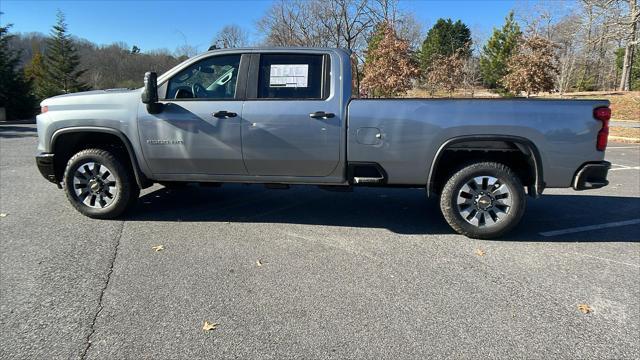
321	115
224	114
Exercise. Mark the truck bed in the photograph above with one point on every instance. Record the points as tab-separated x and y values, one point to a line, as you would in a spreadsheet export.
404	135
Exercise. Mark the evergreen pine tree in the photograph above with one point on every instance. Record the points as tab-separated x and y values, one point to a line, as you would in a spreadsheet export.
372	44
35	71
62	61
15	90
499	48
444	39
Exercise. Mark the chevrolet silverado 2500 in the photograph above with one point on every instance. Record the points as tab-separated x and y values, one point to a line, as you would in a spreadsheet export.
286	116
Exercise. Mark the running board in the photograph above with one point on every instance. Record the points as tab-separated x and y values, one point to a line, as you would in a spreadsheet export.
368	180
366	173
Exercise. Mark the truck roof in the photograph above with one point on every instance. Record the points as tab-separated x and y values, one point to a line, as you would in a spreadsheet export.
278	48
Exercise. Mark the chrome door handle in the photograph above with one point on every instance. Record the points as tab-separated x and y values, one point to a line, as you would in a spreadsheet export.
321	115
224	114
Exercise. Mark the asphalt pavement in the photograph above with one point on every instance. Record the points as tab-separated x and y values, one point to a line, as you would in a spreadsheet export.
306	273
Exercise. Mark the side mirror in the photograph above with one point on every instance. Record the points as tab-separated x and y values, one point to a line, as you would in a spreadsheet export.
150	93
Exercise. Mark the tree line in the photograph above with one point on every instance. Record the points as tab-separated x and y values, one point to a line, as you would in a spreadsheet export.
584	45
34	66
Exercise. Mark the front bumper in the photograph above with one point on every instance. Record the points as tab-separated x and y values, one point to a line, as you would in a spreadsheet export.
592	175
45	164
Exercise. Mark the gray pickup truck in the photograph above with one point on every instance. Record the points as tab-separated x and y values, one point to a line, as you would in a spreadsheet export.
281	116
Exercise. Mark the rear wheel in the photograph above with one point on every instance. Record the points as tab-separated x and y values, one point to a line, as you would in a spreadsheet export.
483	200
99	185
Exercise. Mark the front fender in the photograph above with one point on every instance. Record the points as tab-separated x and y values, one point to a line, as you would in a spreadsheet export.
141	178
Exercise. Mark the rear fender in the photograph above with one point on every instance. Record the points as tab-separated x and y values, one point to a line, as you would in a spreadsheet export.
524	145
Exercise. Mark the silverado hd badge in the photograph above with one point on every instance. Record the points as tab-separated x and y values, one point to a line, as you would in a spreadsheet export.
165	142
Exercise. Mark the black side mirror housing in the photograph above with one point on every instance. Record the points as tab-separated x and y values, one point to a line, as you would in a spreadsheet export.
150	93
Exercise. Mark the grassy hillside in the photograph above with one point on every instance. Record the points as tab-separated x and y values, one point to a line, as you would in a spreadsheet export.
624	105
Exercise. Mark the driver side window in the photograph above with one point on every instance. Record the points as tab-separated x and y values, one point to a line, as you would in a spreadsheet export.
212	78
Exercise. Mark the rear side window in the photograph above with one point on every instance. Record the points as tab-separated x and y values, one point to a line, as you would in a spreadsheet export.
291	76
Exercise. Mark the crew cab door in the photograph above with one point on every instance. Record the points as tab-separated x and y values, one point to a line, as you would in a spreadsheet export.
198	129
292	125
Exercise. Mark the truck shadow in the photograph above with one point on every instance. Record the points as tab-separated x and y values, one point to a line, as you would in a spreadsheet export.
403	211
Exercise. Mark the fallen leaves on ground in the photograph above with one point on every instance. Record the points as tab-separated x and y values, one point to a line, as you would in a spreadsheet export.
207	326
158	248
584	308
479	252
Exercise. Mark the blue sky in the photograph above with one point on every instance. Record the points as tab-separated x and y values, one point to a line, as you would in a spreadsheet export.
168	24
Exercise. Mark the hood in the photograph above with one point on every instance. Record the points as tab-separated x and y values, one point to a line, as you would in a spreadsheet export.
91	97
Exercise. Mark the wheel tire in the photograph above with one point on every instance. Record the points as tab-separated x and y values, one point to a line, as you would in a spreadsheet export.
459	200
112	177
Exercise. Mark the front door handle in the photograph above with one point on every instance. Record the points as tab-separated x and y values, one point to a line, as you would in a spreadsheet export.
321	115
224	114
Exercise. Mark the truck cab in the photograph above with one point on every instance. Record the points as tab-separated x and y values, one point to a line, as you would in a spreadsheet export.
273	116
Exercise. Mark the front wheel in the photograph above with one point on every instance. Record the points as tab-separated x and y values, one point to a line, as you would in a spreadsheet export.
99	184
483	200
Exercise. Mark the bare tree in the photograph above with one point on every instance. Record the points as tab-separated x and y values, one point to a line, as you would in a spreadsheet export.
410	29
231	36
630	30
537	18
293	23
588	34
385	11
608	25
185	50
406	26
346	22
471	75
566	34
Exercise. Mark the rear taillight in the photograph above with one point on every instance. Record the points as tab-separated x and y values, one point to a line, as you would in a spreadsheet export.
44	109
603	114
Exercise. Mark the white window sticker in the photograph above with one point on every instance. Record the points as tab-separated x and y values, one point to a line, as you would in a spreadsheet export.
294	75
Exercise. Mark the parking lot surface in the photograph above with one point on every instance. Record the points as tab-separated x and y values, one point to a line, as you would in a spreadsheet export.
307	273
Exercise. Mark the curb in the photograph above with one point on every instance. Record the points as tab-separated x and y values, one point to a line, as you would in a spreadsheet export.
625	120
625	139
